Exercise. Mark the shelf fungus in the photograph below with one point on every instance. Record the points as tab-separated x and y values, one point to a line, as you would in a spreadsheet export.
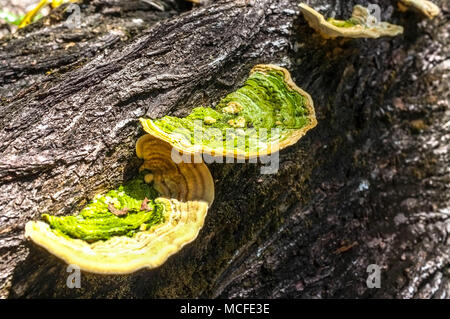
139	224
268	113
362	24
427	8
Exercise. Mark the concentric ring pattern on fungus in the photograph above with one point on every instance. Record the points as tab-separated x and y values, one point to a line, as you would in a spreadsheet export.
147	219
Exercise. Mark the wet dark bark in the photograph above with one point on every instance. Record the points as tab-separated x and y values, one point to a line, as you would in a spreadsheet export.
369	185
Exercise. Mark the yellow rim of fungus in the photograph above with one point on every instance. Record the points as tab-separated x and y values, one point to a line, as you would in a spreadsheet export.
180	144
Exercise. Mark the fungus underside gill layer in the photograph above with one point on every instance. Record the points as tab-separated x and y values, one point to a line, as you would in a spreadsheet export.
96	221
265	101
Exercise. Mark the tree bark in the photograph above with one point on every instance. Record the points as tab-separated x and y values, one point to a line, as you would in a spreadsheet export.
369	185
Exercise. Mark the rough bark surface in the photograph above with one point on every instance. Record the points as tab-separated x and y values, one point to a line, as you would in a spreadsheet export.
369	185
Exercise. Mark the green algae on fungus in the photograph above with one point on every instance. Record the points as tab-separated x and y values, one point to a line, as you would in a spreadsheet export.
269	112
97	222
361	24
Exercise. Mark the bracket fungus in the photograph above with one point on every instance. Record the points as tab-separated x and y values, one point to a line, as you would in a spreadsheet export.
139	224
361	25
427	8
268	113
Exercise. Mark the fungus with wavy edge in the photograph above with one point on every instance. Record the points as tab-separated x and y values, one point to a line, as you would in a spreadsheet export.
156	218
268	113
361	25
427	8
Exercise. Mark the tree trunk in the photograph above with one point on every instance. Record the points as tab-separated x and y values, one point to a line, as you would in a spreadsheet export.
368	185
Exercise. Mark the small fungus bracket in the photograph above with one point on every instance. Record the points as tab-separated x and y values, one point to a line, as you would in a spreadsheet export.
361	25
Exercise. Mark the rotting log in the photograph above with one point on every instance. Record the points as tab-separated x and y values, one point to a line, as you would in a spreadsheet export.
369	185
